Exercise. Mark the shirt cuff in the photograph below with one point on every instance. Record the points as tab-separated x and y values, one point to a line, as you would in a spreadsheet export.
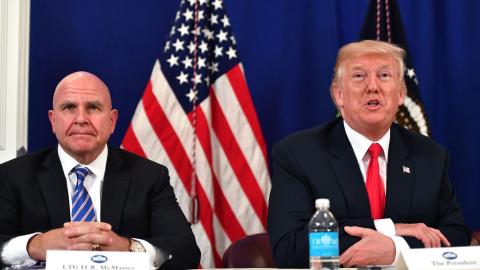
156	255
386	227
14	252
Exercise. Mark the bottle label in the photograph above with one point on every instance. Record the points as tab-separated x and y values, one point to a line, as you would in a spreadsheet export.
323	244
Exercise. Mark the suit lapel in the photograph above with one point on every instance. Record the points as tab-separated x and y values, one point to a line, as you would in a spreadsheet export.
53	185
115	188
350	180
400	172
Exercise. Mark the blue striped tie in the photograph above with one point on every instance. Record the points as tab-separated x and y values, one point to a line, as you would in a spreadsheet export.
82	205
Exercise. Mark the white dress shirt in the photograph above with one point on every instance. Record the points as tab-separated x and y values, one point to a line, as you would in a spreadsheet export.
14	252
360	145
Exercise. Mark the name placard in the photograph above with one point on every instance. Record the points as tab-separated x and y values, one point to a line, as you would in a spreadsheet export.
96	260
454	258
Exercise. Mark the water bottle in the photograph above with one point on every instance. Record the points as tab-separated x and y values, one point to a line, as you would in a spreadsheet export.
323	238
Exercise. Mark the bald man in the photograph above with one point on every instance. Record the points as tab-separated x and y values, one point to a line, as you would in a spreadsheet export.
85	195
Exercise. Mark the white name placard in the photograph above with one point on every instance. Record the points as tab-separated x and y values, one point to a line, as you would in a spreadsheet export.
96	260
454	258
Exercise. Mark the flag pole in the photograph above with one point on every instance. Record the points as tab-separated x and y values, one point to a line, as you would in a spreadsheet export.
194	207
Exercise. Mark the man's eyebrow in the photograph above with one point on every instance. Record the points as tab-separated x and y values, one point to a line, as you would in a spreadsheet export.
361	67
386	66
66	103
357	66
95	103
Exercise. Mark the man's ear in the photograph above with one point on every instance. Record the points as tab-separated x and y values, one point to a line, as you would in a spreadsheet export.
337	94
113	119
51	117
402	94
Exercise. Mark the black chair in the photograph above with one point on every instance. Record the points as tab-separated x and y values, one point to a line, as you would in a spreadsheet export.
252	251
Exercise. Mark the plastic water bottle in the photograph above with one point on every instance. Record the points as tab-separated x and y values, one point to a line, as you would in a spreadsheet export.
323	238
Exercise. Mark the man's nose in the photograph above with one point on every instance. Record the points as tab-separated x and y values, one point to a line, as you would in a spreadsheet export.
372	84
82	116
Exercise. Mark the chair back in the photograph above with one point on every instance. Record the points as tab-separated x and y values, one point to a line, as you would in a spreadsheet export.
252	251
475	238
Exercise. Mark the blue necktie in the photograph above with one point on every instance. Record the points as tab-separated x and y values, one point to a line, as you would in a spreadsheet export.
82	205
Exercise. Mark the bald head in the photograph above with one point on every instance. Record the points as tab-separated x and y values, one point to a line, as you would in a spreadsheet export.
82	117
82	80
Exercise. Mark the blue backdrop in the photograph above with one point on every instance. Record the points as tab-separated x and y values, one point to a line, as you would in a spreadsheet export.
288	49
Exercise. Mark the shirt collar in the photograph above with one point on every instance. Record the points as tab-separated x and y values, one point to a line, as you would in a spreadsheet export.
97	166
360	143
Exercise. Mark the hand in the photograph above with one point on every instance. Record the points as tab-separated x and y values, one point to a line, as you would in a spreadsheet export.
83	235
430	237
39	244
373	248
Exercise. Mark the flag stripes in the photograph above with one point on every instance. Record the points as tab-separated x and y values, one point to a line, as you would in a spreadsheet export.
240	88
222	206
230	185
236	158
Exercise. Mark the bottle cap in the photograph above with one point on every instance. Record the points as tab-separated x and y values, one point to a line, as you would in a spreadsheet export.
322	203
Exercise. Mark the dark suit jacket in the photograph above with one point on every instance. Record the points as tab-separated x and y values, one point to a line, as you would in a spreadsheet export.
320	163
137	200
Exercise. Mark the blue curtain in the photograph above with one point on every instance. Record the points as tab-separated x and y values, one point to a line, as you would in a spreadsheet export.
288	50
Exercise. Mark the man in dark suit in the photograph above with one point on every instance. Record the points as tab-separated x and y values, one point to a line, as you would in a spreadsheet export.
410	204
49	199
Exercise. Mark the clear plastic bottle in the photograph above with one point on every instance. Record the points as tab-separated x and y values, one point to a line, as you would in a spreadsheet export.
323	238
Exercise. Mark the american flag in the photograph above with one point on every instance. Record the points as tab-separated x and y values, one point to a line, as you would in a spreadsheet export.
197	117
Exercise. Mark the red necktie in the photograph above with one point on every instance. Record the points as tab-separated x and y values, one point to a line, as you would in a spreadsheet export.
376	192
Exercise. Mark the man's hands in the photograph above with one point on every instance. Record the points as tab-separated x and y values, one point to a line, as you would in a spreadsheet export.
376	249
83	235
430	237
373	248
77	236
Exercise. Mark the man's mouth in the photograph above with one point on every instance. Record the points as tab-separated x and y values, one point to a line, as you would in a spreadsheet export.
81	134
373	103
